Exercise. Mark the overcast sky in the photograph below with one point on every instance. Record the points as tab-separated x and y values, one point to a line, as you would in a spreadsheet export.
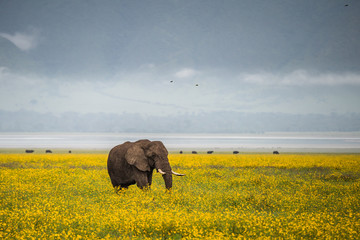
172	57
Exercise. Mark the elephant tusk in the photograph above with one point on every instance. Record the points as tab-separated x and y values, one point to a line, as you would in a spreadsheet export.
177	174
161	171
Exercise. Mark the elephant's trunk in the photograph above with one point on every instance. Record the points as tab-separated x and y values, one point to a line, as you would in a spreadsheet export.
164	168
168	180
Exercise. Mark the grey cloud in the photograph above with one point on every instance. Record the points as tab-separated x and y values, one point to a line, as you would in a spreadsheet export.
186	73
302	78
150	92
33	101
25	41
138	100
249	56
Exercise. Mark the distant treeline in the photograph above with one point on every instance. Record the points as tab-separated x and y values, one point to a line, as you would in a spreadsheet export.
214	122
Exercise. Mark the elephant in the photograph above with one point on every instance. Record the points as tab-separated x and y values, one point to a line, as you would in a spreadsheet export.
134	162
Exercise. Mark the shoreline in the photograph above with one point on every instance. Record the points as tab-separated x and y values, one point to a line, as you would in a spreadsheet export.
199	150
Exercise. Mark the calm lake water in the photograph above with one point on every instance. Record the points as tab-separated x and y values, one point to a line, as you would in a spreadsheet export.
296	141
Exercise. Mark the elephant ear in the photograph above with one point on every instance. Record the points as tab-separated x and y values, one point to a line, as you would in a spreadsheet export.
135	156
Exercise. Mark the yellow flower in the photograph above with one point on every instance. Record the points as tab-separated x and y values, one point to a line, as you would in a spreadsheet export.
222	196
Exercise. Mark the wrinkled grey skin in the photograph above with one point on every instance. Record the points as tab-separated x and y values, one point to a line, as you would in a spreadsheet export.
134	162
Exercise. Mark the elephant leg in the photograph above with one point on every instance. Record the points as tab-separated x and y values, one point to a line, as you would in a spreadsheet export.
120	188
126	185
141	179
149	176
143	183
114	183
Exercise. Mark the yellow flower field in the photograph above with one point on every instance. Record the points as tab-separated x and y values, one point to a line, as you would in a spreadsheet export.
289	196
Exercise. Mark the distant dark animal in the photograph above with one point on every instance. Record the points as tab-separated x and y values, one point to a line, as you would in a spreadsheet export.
48	151
210	152
171	81
346	5
181	152
69	151
235	152
194	152
197	85
29	151
134	162
276	152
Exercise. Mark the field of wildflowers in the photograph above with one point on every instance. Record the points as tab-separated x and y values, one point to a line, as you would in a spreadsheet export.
291	196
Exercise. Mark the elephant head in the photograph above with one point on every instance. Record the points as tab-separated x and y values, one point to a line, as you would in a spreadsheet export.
143	157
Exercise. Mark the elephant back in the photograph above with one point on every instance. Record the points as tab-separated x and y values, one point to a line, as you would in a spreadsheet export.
117	156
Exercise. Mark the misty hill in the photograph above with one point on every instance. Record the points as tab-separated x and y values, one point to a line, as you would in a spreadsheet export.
216	122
